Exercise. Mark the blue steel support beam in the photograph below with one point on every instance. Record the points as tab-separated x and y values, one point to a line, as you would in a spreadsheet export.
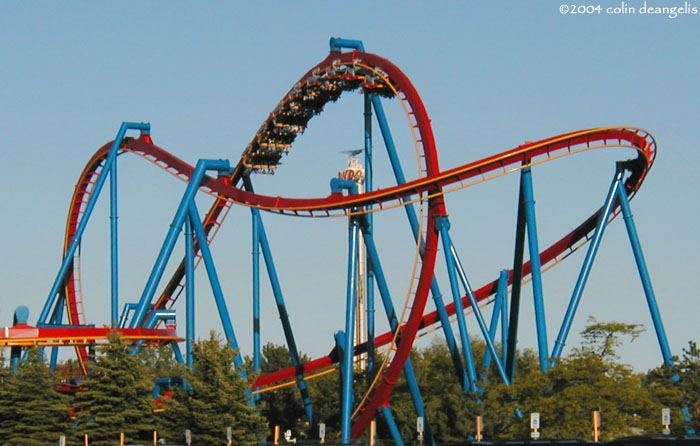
442	225
413	223
516	284
56	319
177	353
607	208
369	227
477	312
351	297
536	273
391	424
643	273
284	316
498	312
189	291
72	247
503	291
281	306
114	243
214	282
172	235
256	296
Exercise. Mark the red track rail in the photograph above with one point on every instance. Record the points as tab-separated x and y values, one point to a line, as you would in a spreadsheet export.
325	82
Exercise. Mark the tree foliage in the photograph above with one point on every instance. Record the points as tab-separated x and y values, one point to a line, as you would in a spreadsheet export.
216	398
118	398
32	411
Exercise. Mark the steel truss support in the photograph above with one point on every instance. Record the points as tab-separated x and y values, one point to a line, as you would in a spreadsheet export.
188	215
107	168
500	309
455	269
616	194
260	242
526	221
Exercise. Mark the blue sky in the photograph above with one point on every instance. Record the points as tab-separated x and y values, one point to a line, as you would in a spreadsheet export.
492	75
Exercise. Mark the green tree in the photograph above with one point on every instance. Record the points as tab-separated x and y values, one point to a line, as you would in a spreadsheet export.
216	398
586	382
677	387
118	396
689	383
32	411
591	379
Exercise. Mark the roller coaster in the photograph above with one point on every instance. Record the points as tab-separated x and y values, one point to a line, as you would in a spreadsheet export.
348	68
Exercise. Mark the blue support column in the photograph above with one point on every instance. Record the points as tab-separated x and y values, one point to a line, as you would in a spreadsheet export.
477	313
644	274
256	297
503	291
56	319
443	225
351	296
189	291
586	267
498	312
516	286
389	418
536	274
177	353
114	244
214	282
172	235
369	227
281	307
73	246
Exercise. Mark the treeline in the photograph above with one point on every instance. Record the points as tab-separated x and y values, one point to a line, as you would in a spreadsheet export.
117	396
590	378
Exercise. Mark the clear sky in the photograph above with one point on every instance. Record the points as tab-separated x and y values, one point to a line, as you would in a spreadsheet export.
491	74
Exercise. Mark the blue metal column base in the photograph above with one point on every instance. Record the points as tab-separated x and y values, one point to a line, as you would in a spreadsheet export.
389	418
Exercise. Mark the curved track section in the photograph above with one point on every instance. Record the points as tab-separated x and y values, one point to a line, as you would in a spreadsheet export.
338	73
